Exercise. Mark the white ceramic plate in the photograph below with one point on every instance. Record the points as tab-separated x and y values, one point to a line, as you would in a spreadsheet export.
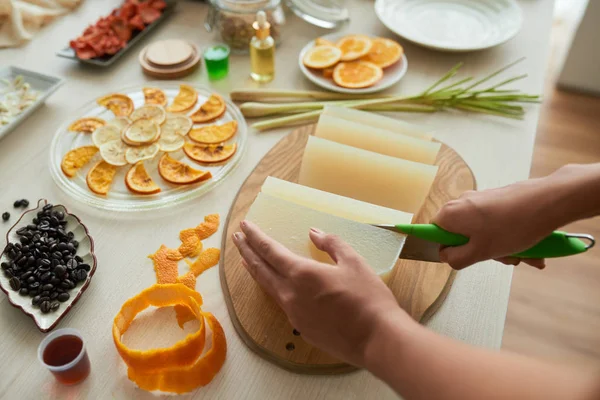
452	25
47	322
119	198
391	75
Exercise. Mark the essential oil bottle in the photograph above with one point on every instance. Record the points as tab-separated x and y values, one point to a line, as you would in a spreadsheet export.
262	50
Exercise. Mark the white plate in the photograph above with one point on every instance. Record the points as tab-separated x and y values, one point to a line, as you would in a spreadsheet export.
47	322
452	25
391	75
119	198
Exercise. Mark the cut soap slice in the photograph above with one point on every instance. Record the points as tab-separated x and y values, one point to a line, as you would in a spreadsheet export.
377	121
363	175
289	223
333	204
378	140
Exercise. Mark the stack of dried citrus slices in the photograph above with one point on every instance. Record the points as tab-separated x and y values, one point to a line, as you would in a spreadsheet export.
354	61
160	132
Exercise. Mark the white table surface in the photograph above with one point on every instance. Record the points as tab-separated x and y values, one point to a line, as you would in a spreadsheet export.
499	152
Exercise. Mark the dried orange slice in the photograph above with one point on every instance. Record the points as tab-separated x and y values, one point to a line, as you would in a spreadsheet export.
320	57
384	52
209	153
100	177
323	42
354	46
170	142
212	109
357	74
154	96
113	152
105	134
140	153
177	172
76	159
87	124
119	104
185	99
149	111
138	181
328	72
212	134
142	131
179	124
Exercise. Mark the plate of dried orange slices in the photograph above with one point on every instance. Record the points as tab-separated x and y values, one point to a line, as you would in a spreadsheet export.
353	63
148	147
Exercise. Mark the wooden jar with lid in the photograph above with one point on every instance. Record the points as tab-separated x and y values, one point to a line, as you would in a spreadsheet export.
169	59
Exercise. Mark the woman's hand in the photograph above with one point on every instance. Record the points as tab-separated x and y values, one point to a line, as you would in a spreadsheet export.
337	308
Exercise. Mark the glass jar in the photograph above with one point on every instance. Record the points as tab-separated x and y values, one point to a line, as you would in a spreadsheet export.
232	20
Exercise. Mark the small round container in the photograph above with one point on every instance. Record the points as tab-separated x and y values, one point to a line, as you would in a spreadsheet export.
63	353
233	19
216	59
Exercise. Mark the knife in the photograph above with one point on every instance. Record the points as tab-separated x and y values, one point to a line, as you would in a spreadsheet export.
424	240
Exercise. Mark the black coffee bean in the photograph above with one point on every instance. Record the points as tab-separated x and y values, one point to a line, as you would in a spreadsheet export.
31	279
45	293
55	281
54	305
53	295
33	292
5	265
53	221
26	275
24	203
80	275
66	253
22	260
9	273
23	291
25	249
22	230
17	204
55	262
15	283
67	284
36	300
60	270
43	268
12	254
5	216
24	239
57	255
71	248
85	266
79	259
45	307
73	263
34	285
46	276
31	260
63	297
47	207
62	246
48	287
71	235
35	221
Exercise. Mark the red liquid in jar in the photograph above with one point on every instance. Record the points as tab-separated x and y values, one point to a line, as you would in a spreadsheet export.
61	351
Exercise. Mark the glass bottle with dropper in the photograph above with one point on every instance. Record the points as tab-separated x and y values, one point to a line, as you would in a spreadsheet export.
262	50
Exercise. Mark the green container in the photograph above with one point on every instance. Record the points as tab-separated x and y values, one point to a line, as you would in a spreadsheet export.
216	59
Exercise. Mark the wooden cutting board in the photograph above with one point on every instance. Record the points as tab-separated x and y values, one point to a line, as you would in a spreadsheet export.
420	287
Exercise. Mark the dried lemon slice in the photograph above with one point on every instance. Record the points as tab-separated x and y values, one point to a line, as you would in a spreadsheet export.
120	123
323	42
149	111
185	99
179	124
321	57
357	74
209	153
212	134
171	142
154	96
212	109
105	134
76	159
138	181
87	124
177	172
354	46
100	177
113	152
142	131
119	104
135	154
384	53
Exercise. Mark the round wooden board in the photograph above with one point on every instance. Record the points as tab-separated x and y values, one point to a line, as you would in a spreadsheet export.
420	287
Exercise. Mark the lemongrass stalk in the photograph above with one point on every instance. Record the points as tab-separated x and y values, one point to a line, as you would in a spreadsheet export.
297	119
252	110
264	95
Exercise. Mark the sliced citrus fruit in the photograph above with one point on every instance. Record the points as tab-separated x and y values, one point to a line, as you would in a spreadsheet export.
357	74
149	111
87	124
120	123
209	153
113	152
170	142
142	131
384	52
100	177
76	159
328	72
212	109
320	57
212	134
323	42
138	181
179	124
354	46
185	99
105	134
119	104
135	154
177	172
154	96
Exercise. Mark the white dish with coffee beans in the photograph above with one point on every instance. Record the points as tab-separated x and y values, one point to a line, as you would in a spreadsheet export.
68	248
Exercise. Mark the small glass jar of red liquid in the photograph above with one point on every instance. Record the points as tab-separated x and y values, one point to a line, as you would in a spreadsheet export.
63	353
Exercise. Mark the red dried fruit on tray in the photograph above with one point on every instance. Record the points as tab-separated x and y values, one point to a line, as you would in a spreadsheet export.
137	23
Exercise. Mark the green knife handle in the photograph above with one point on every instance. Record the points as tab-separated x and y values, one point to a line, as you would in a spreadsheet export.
433	233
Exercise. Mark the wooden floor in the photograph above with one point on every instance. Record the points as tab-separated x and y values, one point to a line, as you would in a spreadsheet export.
555	313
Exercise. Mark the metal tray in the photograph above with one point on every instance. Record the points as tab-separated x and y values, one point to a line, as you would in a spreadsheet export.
106	61
44	84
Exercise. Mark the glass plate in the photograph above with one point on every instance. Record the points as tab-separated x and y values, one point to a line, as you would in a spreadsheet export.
119	198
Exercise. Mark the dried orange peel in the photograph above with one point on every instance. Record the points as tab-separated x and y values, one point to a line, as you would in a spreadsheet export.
165	265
